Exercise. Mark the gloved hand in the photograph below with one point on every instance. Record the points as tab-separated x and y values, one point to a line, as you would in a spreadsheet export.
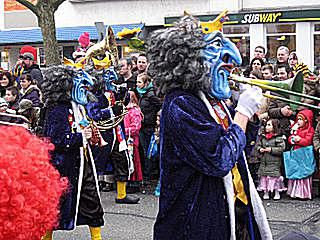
117	109
250	101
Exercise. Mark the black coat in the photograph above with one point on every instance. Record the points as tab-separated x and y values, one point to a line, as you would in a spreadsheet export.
150	104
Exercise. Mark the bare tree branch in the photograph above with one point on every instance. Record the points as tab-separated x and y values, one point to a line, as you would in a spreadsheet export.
29	5
57	3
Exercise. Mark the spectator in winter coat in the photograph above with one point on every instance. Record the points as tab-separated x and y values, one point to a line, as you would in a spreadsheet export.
30	91
301	136
150	104
28	54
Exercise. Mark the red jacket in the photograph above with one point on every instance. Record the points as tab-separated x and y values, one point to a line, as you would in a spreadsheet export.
305	133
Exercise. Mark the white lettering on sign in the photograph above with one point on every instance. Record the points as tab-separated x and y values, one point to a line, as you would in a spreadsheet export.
261	18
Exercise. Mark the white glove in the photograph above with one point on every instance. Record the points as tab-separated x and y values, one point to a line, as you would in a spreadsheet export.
250	101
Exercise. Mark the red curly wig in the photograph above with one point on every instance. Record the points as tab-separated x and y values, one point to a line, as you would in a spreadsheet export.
30	186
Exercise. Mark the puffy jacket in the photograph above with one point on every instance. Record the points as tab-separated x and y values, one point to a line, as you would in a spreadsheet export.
150	104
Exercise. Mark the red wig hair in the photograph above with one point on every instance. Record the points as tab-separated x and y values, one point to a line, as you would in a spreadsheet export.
30	186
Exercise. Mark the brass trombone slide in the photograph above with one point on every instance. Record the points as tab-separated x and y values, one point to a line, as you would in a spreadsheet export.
291	89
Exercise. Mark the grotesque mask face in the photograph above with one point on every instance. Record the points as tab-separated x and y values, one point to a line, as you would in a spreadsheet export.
82	83
220	54
110	76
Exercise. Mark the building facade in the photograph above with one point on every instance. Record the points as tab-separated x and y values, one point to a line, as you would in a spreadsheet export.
294	23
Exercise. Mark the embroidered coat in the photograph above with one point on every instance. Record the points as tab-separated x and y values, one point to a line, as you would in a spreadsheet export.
67	158
196	155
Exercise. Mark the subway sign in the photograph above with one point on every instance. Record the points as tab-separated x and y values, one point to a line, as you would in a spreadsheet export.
261	17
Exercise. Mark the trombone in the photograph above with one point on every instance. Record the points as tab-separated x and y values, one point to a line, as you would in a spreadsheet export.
291	89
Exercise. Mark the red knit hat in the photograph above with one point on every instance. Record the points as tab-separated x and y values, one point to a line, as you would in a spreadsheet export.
84	39
29	51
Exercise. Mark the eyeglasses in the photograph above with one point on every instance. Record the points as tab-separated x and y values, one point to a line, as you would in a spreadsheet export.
259	51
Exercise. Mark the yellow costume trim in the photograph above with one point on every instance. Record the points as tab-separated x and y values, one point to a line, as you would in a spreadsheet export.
236	177
238	186
102	64
128	33
78	65
215	25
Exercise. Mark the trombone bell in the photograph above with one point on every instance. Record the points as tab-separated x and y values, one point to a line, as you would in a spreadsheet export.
291	89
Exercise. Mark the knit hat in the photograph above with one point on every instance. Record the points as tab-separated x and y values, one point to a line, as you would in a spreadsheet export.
84	39
24	105
29	51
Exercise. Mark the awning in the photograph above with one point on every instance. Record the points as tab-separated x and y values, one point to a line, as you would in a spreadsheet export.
64	34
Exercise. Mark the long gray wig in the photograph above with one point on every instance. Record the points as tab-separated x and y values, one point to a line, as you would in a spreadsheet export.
175	57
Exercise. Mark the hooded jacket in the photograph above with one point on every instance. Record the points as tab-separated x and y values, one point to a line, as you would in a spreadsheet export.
305	133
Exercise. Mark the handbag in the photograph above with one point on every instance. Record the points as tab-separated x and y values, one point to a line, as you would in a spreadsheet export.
299	163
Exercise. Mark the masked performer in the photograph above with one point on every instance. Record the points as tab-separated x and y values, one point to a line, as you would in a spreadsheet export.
30	186
108	113
65	92
206	190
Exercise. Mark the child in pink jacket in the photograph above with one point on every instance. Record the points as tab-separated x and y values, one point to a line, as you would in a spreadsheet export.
132	123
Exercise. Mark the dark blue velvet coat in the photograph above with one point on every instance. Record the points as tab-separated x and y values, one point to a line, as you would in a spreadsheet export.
100	111
65	158
195	154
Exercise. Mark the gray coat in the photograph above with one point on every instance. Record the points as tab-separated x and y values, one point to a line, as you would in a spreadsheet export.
271	162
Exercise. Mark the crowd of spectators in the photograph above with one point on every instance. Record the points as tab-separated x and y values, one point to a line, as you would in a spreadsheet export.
276	123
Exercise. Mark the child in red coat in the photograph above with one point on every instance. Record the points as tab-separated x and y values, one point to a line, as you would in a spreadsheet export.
302	135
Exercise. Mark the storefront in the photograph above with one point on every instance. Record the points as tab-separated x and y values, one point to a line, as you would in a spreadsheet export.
12	40
299	30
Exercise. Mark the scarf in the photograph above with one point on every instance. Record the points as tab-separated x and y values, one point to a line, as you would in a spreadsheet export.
269	135
142	91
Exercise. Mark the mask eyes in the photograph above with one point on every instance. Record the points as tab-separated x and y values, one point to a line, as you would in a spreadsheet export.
216	44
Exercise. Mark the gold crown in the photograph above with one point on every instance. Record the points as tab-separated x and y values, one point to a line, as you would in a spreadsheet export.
216	24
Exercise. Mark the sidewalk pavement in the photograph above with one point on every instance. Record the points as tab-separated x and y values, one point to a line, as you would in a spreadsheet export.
135	222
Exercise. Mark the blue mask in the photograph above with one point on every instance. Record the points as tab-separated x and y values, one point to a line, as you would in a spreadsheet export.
82	82
219	54
109	77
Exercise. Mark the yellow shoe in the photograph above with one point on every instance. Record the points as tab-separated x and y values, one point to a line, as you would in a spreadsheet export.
121	190
95	233
48	236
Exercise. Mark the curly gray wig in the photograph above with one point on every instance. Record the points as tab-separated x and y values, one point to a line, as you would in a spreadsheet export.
57	84
175	57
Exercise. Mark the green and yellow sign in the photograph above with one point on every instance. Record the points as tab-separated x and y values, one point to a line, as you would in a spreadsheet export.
262	17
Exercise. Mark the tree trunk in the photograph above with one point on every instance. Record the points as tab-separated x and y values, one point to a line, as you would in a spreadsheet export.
47	24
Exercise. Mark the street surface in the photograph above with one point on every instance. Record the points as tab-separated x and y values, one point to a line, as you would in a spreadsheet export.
135	222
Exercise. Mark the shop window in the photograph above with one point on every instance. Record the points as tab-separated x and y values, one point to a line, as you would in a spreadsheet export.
239	35
4	56
67	51
279	35
317	48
